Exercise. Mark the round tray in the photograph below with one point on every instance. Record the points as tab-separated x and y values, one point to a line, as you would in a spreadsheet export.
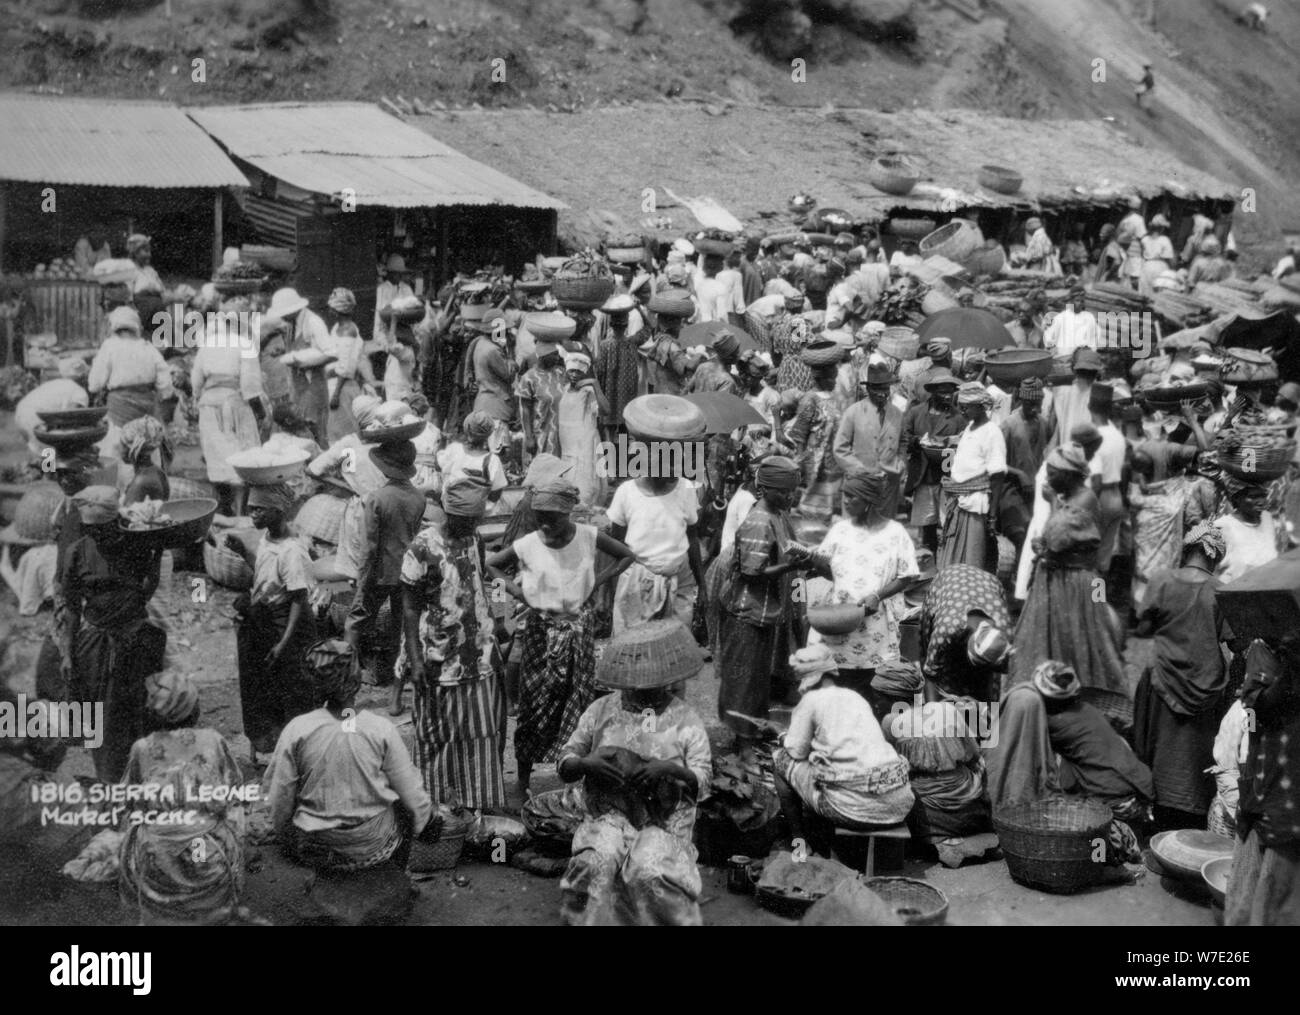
262	475
791	905
1000	179
1011	366
1215	875
1173	396
191	520
1185	851
73	438
914	902
835	618
73	419
720	248
392	434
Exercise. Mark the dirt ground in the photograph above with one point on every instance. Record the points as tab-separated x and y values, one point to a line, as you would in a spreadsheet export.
33	892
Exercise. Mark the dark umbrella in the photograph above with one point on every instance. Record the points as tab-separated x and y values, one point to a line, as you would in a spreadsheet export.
968	327
705	333
724	412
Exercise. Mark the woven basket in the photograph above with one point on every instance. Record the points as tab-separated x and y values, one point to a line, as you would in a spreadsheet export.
587	292
672	302
227	568
1000	179
914	902
441	855
1267	464
1011	366
912	229
956	241
1049	844
987	260
237	286
321	517
626	255
893	175
899	342
550	326
655	654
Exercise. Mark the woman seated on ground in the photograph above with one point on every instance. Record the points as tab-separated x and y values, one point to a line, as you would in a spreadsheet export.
633	860
1045	718
186	873
835	768
338	776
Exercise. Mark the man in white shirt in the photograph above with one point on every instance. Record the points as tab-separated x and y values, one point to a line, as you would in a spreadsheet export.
1134	226
395	284
713	297
1107	467
1073	328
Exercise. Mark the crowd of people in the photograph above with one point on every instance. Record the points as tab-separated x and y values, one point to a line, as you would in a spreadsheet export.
886	544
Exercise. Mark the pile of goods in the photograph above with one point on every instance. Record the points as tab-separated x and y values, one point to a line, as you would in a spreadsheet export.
394	421
144	515
714	242
60	269
239	277
583	282
1256	454
901	303
114	271
277	461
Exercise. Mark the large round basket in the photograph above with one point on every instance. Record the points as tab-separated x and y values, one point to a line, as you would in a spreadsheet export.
899	342
626	255
1000	179
393	434
911	229
654	654
72	439
550	326
190	521
893	175
1169	397
956	241
1050	844
914	902
72	419
252	468
225	567
664	418
321	518
274	258
585	293
443	854
1183	852
672	302
1011	366
987	260
1257	465
713	247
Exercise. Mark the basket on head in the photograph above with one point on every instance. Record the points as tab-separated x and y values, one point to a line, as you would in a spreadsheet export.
584	293
902	343
1049	844
655	654
914	902
911	228
321	517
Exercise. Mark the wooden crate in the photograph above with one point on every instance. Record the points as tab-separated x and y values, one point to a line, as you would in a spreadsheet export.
72	310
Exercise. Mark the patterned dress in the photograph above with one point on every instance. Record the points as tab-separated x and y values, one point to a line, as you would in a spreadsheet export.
788	336
618	371
544	388
459	710
811	434
956	592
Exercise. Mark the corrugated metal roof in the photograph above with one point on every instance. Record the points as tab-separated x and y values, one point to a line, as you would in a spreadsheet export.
329	147
55	139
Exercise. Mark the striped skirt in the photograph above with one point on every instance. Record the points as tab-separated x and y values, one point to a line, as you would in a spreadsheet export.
557	683
459	730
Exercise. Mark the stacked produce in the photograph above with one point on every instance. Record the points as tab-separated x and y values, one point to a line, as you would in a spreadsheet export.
1255	453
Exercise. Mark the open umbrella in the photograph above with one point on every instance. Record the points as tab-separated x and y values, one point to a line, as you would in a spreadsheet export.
705	333
968	327
724	412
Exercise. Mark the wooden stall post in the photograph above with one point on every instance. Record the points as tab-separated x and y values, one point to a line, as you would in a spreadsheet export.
218	242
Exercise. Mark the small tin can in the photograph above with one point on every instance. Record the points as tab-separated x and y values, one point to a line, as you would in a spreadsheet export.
738	878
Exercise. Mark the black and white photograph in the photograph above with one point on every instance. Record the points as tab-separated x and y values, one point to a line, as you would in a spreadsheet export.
695	463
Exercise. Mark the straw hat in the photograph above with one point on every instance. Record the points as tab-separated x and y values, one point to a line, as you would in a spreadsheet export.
654	654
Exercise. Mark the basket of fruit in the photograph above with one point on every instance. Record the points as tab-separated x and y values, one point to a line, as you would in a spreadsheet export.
584	282
239	278
1255	454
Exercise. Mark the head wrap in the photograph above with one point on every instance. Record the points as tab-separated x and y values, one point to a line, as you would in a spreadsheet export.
811	663
545	468
1031	390
988	645
866	486
135	241
897	679
578	361
973	393
141	436
96	504
342	301
1056	680
171	696
364	408
776	472
555	495
1068	458
331	665
478	425
1208	537
124	319
1084	434
1210	246
938	348
271	495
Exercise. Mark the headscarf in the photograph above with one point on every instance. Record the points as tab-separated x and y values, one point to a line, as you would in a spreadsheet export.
478	426
811	663
988	645
897	679
1056	680
973	393
556	495
1068	458
342	301
331	665
73	368
1031	390
134	242
1209	538
271	495
578	361
364	409
96	504
866	486
546	468
171	696
776	472
141	437
124	319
